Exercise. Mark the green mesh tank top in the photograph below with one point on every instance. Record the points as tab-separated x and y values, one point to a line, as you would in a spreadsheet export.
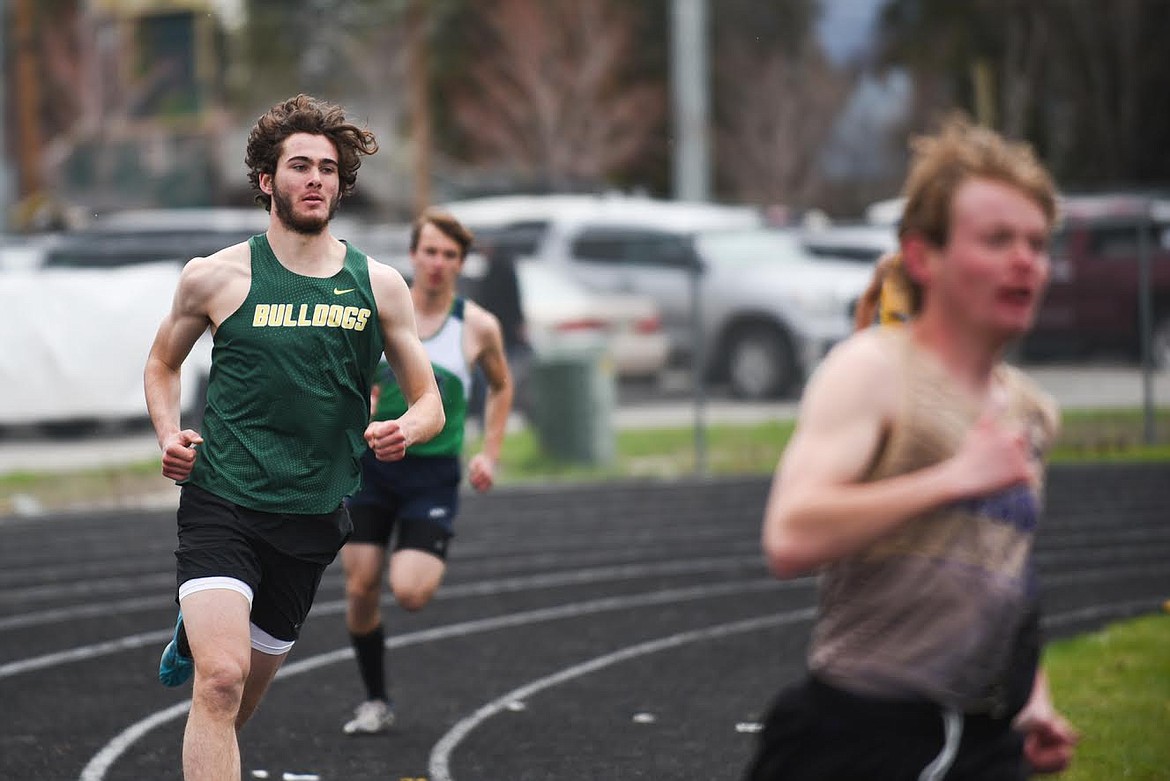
452	375
288	396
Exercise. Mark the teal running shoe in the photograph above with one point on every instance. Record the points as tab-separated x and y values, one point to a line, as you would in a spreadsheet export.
174	669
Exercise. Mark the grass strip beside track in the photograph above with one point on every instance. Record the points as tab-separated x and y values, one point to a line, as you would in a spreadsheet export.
666	453
1114	686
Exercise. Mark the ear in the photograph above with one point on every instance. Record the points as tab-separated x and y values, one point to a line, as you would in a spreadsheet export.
918	255
265	181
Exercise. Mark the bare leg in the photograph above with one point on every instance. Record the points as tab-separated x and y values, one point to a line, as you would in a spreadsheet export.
415	577
216	623
363	564
264	669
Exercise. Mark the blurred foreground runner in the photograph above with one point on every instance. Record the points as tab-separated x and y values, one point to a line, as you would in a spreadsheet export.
913	482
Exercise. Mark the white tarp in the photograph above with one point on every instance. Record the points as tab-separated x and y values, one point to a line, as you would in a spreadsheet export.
73	342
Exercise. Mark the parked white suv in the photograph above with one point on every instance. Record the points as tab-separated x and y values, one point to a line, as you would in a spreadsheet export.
768	309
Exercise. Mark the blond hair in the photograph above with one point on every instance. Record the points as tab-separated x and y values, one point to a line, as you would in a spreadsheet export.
891	297
958	152
940	164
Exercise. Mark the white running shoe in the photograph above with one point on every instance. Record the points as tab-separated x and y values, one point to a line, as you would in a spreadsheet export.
370	718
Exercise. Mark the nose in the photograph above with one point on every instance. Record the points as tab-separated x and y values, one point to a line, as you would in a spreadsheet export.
1027	258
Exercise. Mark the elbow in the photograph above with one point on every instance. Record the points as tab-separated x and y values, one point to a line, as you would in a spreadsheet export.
786	554
785	562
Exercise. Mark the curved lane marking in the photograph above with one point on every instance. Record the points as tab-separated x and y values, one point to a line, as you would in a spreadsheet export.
439	767
479	588
97	767
490	588
100	764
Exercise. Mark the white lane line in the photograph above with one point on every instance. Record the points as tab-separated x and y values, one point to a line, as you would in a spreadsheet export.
481	588
97	767
104	759
87	587
600	574
84	653
439	767
505	585
508	585
440	760
528	617
88	610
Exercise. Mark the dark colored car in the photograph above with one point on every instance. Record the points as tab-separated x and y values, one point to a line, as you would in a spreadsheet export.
1092	304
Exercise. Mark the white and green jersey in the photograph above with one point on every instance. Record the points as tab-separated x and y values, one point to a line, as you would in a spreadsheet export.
452	375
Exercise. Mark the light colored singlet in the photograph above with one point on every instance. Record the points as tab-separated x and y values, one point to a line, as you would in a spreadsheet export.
932	610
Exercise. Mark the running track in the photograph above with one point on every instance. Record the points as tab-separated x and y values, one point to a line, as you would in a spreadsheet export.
626	631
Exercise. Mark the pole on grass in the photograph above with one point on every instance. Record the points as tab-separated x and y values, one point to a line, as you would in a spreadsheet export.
1145	227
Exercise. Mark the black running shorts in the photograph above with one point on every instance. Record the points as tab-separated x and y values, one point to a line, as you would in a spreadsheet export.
280	556
816	732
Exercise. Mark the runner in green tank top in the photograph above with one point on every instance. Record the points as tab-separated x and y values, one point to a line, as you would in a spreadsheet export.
419	495
298	320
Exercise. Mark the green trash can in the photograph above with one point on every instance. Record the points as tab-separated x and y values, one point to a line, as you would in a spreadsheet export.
573	391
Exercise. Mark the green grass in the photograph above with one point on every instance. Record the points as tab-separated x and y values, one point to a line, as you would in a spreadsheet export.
662	453
1112	435
1086	435
108	484
750	449
1114	686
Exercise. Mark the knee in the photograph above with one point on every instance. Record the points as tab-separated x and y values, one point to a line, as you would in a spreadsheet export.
219	684
414	596
362	589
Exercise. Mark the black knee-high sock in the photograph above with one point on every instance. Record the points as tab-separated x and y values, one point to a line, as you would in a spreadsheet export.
370	651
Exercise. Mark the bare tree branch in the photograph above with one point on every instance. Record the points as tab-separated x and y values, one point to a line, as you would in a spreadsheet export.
547	95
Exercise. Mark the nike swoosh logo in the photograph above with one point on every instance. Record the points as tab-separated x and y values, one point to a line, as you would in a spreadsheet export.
337	292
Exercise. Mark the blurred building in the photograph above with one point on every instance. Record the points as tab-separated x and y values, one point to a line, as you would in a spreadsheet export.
115	104
163	122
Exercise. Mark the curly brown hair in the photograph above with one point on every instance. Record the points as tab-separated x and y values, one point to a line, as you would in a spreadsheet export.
305	114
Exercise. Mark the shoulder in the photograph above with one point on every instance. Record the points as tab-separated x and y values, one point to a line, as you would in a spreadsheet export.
385	281
226	262
477	317
871	354
480	321
859	375
203	277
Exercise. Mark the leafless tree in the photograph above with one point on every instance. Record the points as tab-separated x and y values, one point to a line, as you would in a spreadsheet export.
780	109
548	94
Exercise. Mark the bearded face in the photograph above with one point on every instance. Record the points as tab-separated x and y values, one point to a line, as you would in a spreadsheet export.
303	221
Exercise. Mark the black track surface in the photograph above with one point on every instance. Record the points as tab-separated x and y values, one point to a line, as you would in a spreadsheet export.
625	631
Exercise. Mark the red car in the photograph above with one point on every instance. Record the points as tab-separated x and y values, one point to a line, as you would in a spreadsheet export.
1092	304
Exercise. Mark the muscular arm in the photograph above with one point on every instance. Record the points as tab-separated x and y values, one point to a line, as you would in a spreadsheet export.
182	326
489	350
408	359
819	510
